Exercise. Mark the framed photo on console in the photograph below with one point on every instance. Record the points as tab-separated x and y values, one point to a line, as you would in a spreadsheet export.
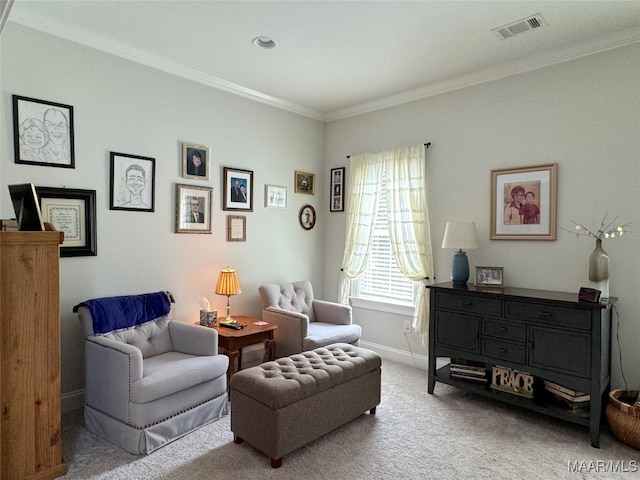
72	211
524	202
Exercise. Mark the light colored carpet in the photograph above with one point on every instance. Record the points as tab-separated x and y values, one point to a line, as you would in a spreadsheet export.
414	435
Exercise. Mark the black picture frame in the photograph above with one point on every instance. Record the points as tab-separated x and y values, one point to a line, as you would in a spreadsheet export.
237	188
128	173
43	133
336	197
72	211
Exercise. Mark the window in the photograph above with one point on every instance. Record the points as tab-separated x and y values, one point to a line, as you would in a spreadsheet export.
382	279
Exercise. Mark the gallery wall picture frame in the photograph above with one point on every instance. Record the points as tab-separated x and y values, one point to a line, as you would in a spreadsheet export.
305	183
72	211
275	196
237	188
307	217
489	277
193	209
524	203
132	182
43	133
195	162
236	228
336	198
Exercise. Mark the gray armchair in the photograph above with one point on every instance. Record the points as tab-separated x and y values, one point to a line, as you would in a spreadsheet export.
305	323
150	380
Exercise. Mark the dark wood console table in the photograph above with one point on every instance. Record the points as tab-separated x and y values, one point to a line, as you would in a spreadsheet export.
550	335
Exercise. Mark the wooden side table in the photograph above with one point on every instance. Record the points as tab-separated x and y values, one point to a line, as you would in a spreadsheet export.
233	341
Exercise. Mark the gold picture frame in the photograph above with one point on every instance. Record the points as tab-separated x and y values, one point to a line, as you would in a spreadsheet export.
524	203
305	183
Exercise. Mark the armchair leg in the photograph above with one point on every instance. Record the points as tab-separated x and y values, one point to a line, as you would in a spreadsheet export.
276	462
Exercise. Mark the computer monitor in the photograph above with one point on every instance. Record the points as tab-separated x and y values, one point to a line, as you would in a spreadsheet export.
26	207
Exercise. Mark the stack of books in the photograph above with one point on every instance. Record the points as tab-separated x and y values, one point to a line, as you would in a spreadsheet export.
468	370
568	396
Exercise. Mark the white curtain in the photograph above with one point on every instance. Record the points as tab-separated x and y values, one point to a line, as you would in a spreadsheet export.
409	224
404	172
365	179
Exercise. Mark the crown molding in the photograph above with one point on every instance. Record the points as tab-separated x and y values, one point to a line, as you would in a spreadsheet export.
158	62
560	55
144	57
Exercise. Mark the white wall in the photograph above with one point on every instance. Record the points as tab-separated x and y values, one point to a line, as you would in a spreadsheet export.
124	107
583	114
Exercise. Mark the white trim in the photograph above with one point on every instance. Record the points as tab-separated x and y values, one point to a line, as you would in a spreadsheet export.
397	355
158	62
90	39
534	62
382	306
73	400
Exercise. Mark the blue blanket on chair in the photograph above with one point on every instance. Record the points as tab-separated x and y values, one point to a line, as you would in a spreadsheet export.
117	313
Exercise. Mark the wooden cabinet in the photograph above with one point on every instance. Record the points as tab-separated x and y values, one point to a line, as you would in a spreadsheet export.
550	335
30	417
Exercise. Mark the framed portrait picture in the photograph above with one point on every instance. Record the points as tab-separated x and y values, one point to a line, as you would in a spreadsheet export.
337	190
195	162
193	209
305	183
489	277
237	188
307	217
275	197
236	228
132	182
43	133
523	203
72	211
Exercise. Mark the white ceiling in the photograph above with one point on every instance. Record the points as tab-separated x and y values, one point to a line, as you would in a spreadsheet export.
336	58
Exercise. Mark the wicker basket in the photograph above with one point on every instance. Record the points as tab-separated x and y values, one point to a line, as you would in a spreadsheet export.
624	418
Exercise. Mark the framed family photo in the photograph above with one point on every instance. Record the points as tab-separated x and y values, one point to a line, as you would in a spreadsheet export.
524	203
72	211
237	188
275	197
193	209
132	184
305	183
43	133
195	162
337	190
489	277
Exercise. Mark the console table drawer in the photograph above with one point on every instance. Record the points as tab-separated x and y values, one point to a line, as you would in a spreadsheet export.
549	314
504	351
470	304
457	331
504	330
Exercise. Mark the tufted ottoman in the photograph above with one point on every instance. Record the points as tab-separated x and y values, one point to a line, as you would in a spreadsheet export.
282	405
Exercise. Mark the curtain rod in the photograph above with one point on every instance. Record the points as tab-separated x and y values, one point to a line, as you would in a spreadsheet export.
426	145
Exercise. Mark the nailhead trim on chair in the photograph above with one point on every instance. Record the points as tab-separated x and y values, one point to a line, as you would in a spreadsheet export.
136	427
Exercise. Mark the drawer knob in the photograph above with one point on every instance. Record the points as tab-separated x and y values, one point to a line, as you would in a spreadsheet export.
466	303
545	314
502	350
502	329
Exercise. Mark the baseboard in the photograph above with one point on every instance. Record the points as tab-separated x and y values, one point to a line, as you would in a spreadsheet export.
72	400
397	355
253	355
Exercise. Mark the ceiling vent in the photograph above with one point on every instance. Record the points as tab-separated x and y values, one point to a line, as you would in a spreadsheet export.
521	26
